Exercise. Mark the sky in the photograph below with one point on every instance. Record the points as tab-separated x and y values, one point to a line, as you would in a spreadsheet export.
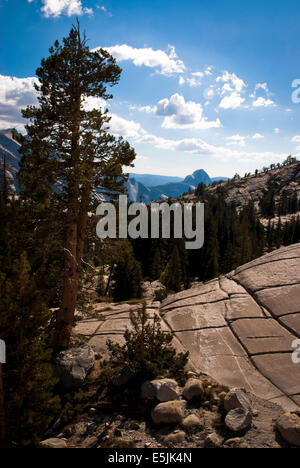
205	83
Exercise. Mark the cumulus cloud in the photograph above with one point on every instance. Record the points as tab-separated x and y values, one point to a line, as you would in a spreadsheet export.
231	82
296	139
232	88
125	128
55	8
262	102
276	130
15	94
233	101
165	63
180	114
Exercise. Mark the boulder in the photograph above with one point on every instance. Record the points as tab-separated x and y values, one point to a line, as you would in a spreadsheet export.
213	441
191	423
73	365
193	389
171	412
236	398
163	390
54	443
238	419
122	376
289	427
175	437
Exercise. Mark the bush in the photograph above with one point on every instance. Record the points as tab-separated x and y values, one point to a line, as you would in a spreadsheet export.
147	349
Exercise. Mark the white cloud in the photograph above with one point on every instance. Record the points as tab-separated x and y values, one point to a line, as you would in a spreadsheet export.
233	101
55	8
200	147
262	102
125	128
258	87
15	94
147	109
231	90
93	102
296	139
180	114
165	63
258	136
276	130
195	78
141	158
209	93
232	82
236	140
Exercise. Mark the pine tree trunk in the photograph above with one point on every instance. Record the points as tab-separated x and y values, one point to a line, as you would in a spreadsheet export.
2	412
65	315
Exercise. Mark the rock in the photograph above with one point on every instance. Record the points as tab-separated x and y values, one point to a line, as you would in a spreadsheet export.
122	377
193	389
163	390
191	423
171	412
73	365
238	419
175	438
236	398
235	443
254	346
289	427
54	443
213	441
151	290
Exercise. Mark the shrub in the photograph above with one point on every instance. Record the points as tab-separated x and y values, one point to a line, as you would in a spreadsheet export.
148	349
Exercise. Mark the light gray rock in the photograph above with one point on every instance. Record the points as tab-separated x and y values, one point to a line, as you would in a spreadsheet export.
73	365
237	398
238	419
151	288
213	441
289	427
171	412
54	443
163	390
193	389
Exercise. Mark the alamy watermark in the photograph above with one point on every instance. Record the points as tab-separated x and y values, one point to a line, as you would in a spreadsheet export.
188	221
2	352
296	353
296	92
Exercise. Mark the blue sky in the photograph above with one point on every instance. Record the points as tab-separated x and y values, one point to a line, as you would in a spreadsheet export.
205	84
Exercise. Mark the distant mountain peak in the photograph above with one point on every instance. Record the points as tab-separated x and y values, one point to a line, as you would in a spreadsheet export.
197	177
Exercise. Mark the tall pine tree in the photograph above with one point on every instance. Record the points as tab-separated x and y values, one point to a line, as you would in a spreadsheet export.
69	151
